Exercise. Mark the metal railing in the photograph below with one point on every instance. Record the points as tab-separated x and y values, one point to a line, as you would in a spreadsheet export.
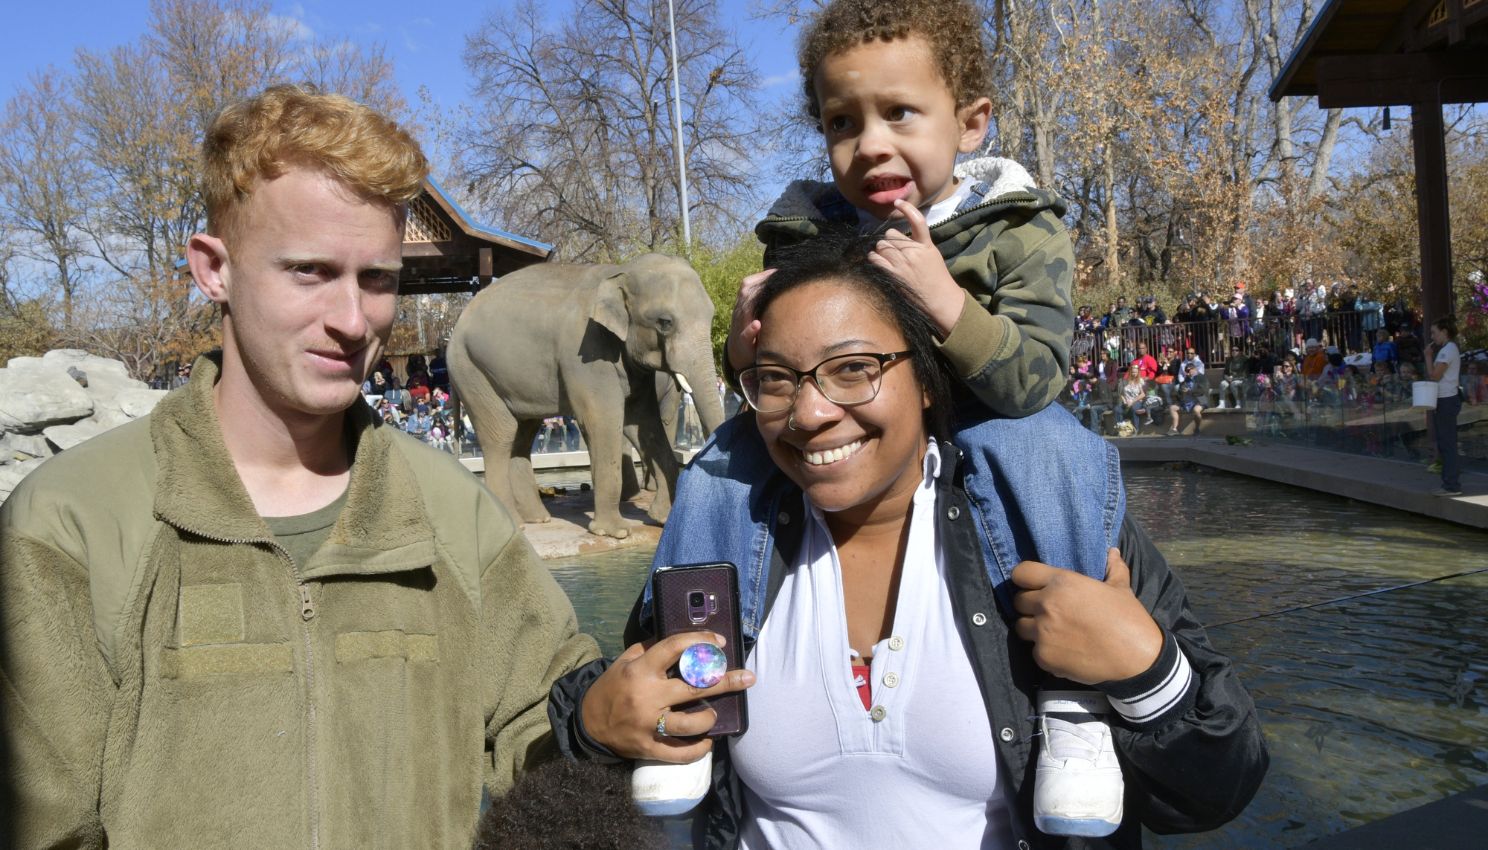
1217	339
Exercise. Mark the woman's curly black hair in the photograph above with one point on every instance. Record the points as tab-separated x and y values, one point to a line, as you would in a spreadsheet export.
952	29
841	256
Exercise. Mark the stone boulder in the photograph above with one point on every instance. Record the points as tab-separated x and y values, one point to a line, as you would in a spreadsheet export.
12	473
35	395
65	437
51	403
15	448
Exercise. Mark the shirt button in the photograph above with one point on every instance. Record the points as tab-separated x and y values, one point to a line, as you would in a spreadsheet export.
783	518
891	680
878	713
1022	844
979	619
896	643
953	512
1006	734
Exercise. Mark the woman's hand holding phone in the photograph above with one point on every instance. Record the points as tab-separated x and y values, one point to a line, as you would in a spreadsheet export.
623	705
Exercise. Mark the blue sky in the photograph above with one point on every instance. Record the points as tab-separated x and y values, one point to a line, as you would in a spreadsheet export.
425	45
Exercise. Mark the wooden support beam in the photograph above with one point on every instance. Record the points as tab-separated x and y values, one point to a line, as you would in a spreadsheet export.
1459	76
1407	29
1455	29
1428	137
485	271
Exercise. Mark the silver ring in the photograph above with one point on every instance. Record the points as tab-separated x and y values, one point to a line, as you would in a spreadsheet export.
790	421
661	724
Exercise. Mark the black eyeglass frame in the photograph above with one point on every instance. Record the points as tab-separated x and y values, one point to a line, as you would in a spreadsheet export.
883	359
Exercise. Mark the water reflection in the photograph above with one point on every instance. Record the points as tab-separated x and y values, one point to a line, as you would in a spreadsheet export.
1373	701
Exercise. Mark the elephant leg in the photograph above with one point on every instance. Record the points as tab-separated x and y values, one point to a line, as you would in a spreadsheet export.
646	426
496	428
605	459
630	486
523	480
661	463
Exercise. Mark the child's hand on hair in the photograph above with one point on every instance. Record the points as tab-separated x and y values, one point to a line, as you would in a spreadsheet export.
744	328
916	260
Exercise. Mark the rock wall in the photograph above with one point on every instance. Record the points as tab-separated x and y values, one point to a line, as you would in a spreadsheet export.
51	403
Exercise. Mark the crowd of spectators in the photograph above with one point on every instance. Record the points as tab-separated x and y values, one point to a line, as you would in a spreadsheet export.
1331	353
419	405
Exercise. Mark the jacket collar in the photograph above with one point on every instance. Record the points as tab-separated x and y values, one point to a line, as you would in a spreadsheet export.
992	177
383	527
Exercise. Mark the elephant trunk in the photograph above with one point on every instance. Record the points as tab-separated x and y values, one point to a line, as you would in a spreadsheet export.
695	368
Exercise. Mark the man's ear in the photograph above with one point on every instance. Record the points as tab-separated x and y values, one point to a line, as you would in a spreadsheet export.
974	119
207	256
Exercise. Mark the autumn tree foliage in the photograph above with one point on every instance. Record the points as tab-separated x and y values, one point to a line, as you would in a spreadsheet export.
98	168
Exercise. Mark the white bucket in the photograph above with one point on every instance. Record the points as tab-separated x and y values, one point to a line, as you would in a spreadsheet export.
1423	395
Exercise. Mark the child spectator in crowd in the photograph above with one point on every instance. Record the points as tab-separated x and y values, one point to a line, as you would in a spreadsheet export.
1384	350
1193	394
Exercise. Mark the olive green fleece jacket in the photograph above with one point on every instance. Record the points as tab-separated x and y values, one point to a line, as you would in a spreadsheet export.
169	678
1007	248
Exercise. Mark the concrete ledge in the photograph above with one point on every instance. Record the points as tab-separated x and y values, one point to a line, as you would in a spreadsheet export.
1395	484
549	461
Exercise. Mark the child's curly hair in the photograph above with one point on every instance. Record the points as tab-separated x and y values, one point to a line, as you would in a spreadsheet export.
567	805
951	28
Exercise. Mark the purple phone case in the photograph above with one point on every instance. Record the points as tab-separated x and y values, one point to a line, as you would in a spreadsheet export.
669	589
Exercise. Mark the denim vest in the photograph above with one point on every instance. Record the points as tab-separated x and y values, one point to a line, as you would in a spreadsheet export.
1042	488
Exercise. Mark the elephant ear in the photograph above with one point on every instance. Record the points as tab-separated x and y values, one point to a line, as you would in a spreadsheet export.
609	306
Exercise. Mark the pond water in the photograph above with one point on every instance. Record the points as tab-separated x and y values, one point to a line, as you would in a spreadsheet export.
1360	632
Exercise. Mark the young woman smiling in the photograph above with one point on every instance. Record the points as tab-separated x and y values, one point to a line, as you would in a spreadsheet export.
875	569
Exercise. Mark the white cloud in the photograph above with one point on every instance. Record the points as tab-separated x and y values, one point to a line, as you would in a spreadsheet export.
294	25
791	78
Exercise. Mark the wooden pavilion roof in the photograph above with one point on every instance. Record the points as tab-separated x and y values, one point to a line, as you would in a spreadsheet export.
445	250
1386	52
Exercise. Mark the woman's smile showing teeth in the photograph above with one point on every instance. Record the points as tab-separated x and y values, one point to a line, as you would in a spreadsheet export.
841	453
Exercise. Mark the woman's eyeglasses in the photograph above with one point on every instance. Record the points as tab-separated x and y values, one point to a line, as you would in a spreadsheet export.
844	380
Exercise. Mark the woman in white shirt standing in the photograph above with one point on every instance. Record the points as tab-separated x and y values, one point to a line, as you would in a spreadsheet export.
891	694
1446	364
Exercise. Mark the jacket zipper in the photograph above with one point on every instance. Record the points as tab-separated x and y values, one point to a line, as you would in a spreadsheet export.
307	613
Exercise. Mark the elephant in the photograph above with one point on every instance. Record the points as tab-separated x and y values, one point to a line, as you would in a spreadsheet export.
587	341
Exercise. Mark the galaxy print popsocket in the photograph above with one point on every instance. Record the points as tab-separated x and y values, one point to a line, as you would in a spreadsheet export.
702	665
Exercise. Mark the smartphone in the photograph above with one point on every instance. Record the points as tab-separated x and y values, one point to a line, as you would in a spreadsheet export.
704	598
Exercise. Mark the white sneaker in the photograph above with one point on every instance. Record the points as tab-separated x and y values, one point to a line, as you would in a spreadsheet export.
661	789
1223	406
1078	788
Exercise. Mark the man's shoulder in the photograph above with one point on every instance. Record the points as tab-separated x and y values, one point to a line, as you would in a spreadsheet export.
108	479
470	524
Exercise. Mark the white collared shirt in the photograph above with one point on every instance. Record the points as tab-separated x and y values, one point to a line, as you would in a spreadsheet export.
920	768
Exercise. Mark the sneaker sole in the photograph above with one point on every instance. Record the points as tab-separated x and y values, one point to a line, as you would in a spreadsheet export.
1081	827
